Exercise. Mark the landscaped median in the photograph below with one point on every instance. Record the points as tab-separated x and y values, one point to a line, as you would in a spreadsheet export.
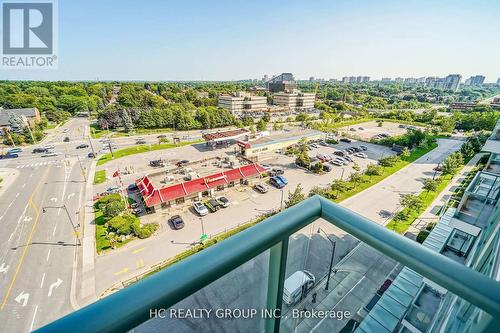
139	149
99	177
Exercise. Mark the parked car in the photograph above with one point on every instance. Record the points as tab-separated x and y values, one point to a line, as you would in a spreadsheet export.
276	182
339	153
352	129
212	205
337	163
223	201
361	155
266	167
348	158
156	163
363	148
200	208
361	128
8	156
40	150
49	147
261	188
134	205
14	150
401	126
276	172
140	142
137	211
91	155
327	168
66	139
345	140
342	160
314	145
113	189
297	286
133	187
50	154
282	179
176	222
181	163
83	145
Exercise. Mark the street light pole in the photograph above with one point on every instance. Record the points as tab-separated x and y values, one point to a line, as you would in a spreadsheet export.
331	259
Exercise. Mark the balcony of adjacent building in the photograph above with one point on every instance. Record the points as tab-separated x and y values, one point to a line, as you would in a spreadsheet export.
493	165
315	267
479	199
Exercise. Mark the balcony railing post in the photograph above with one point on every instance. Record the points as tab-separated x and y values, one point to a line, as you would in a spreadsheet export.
276	280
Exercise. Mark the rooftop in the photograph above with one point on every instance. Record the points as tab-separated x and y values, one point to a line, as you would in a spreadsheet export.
225	135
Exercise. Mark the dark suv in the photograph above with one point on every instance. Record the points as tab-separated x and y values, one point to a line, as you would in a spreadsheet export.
176	222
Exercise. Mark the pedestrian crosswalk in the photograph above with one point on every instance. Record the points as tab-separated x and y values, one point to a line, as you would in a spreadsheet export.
38	164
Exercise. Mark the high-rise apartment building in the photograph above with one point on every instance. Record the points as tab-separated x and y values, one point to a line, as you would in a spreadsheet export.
451	82
477	80
282	82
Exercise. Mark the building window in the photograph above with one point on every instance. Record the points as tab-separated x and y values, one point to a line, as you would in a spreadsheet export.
460	242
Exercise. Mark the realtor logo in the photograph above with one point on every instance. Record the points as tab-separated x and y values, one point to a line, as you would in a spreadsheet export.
28	34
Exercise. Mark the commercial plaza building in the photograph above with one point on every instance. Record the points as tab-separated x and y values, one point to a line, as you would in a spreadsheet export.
448	284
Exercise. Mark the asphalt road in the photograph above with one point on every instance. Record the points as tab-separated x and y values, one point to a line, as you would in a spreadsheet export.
38	245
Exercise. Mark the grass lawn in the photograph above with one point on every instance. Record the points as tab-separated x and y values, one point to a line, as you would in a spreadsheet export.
140	149
386	172
99	177
400	226
96	132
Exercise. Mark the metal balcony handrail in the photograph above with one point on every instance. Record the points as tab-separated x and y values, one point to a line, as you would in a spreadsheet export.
129	307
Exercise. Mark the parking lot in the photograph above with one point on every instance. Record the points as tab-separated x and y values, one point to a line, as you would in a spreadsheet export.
246	202
368	130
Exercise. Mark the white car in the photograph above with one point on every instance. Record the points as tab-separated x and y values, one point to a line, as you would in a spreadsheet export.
49	147
266	167
341	160
200	208
361	155
337	163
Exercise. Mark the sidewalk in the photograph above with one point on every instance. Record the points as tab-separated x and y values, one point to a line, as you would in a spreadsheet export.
430	214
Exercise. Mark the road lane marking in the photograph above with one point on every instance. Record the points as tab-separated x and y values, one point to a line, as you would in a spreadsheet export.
3	268
23	186
43	279
53	286
22	297
33	320
138	250
17	194
10	204
54	231
139	263
10	237
48	255
125	270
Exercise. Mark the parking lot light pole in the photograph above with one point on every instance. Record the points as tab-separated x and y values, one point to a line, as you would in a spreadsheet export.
331	260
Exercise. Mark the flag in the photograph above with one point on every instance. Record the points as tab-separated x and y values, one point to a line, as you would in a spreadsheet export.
116	174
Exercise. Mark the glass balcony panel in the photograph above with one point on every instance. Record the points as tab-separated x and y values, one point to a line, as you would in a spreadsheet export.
220	306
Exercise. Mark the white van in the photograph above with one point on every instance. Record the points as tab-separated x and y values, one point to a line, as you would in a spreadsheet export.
298	283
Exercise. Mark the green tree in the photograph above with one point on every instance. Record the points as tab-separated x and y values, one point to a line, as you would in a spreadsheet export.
295	197
453	163
303	160
356	177
430	184
411	202
114	208
338	186
261	125
127	122
356	167
373	170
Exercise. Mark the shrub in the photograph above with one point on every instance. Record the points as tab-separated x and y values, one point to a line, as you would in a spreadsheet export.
388	161
422	235
147	230
114	208
373	170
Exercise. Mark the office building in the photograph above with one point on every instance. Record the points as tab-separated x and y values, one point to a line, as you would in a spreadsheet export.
385	80
498	81
399	80
295	101
241	103
282	82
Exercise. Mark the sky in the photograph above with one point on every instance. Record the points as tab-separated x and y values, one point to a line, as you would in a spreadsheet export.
235	39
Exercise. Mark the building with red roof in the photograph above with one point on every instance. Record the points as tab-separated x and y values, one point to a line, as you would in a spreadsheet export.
195	189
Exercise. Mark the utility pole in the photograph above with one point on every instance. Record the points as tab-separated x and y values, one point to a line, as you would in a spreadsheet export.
70	220
110	149
331	259
91	146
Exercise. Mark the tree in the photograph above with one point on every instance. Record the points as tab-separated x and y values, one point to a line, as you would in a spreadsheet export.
127	121
411	202
295	197
388	161
261	125
303	160
318	190
338	186
356	167
406	152
356	177
430	184
302	117
453	163
114	208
